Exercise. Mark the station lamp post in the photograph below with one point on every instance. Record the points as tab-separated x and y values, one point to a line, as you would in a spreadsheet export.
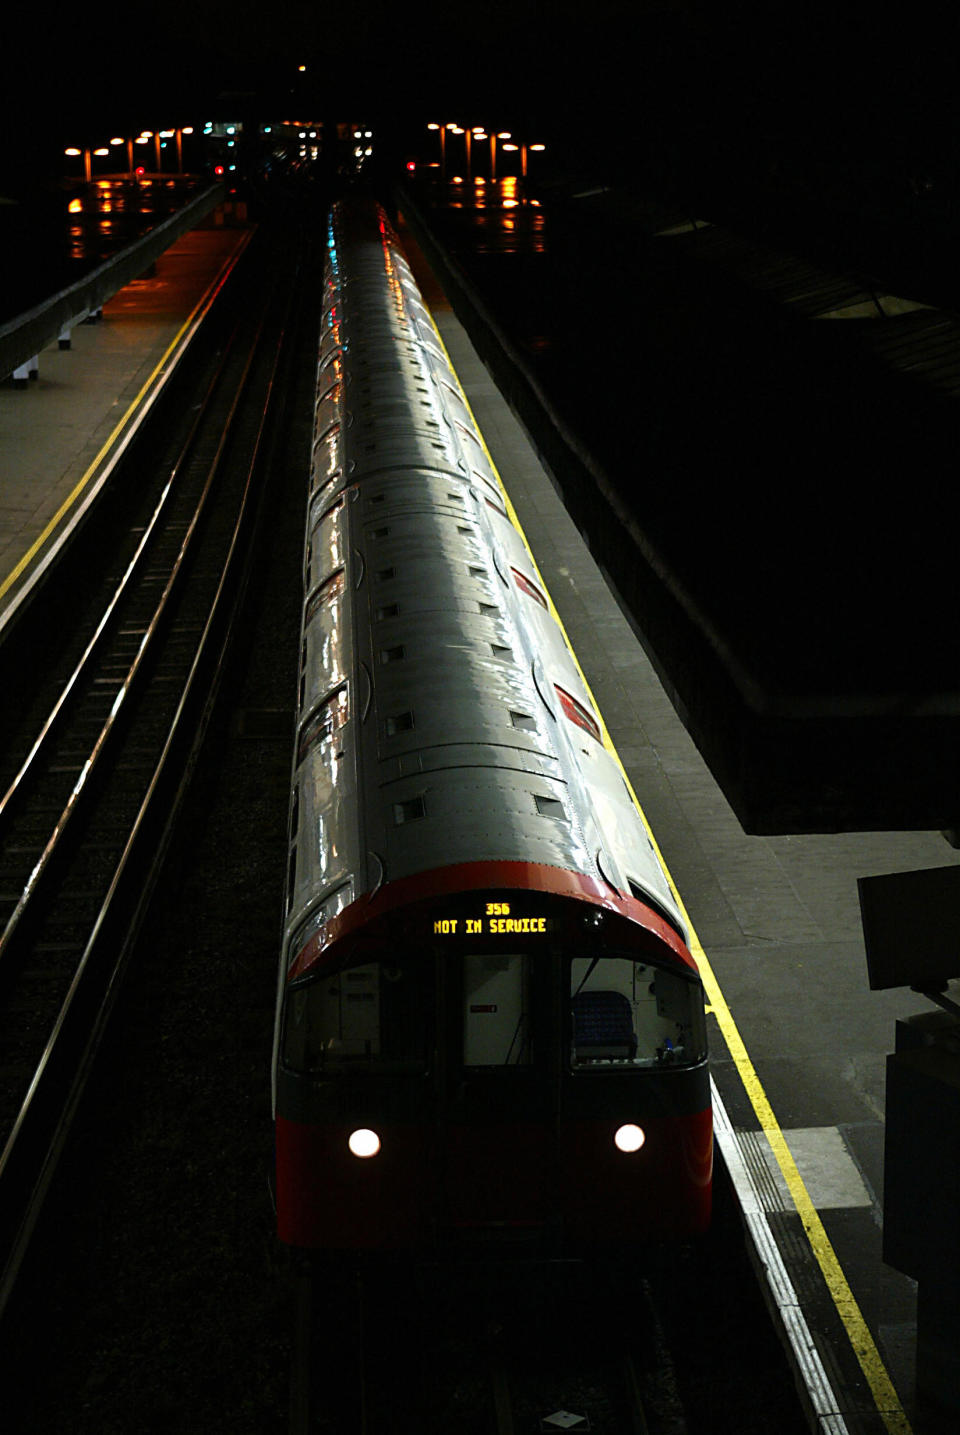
442	130
73	152
457	130
524	150
500	135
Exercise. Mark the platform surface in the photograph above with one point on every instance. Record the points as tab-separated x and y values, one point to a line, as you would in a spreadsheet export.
60	432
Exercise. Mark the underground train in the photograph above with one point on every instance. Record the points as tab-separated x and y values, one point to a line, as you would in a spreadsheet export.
489	1026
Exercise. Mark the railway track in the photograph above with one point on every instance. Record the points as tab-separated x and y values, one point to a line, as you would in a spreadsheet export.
107	685
485	1349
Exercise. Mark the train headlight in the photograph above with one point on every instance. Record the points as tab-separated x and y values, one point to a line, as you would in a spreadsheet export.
629	1138
364	1143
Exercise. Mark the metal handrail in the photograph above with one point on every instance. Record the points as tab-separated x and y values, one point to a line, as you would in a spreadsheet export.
24	336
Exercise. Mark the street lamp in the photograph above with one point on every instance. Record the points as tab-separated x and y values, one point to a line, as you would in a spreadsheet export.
501	135
73	152
443	149
524	149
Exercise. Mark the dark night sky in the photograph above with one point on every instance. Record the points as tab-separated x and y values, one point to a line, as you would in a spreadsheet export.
743	67
742	88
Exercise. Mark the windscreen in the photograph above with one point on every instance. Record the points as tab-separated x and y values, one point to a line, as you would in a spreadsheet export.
363	1019
631	1015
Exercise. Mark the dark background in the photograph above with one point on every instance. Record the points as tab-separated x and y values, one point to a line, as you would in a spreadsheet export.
750	95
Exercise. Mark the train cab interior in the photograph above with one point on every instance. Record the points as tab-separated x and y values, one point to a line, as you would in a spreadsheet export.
502	1010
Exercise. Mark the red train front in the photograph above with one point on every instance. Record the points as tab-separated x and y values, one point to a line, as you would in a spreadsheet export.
518	1060
488	1021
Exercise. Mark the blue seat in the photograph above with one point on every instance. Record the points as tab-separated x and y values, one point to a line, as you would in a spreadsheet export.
603	1026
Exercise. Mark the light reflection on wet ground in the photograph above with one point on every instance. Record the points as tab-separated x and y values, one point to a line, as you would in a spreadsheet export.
50	240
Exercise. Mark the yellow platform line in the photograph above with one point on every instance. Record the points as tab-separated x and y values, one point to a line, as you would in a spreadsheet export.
203	303
105	448
858	1332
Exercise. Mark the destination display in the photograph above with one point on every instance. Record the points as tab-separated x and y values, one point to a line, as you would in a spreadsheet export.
493	919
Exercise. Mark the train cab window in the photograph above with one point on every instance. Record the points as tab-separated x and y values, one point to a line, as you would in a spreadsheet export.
369	1019
496	1010
627	1015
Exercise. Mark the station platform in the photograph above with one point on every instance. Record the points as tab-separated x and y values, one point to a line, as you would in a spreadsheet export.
799	1042
62	434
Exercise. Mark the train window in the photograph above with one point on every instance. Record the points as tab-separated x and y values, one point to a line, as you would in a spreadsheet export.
329	589
524	721
649	900
294	832
321	480
577	713
627	1015
485	478
324	722
549	806
362	1019
527	585
465	433
496	1007
331	509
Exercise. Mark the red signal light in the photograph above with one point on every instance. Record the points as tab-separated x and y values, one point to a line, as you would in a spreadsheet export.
140	171
411	165
218	171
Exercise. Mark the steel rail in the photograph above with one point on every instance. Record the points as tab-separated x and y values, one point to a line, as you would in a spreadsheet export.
87	973
132	677
59	706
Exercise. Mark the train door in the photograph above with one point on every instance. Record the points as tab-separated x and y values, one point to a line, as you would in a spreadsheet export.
498	1131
